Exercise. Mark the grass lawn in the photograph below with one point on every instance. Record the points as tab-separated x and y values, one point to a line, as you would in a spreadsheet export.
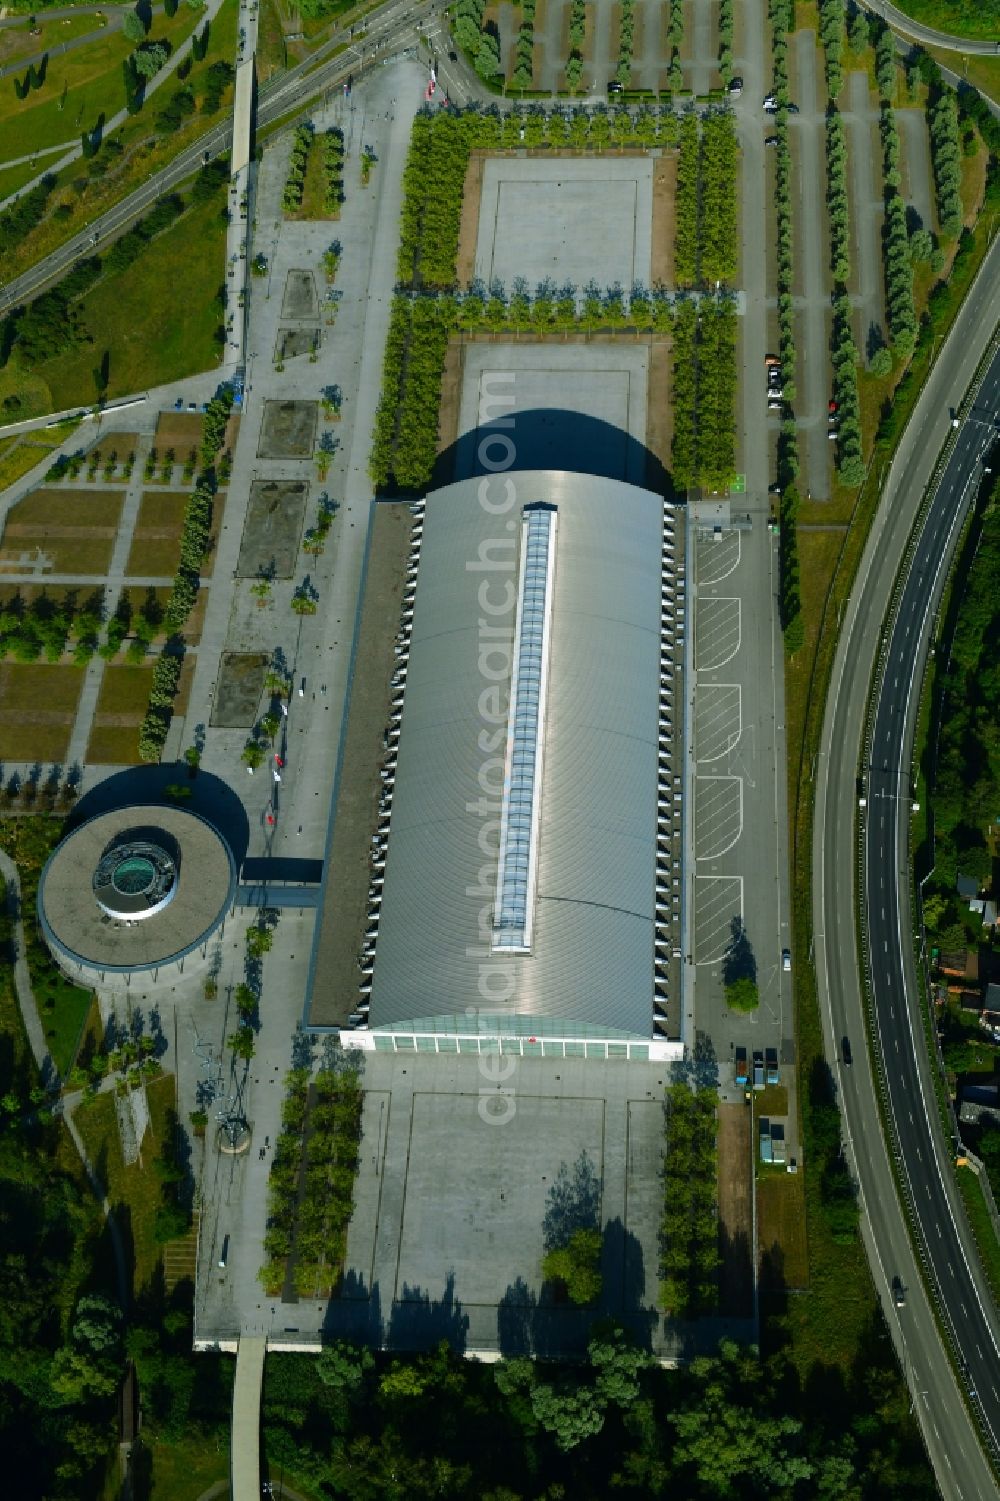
114	745
64	1010
183	1468
314	188
17	41
982	72
50	507
18	455
124	690
145	153
13	178
94	83
137	1185
85	555
154	557
157	318
982	1225
972	18
37	708
121	707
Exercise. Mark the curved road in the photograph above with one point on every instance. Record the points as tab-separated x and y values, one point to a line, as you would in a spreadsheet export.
894	17
953	1267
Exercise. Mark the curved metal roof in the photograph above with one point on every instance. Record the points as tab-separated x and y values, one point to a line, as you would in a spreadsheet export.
591	958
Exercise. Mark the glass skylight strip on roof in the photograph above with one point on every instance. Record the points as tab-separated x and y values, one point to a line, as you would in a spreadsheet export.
519	817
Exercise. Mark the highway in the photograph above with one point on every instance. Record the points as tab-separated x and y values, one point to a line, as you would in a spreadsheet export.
923	1154
894	17
281	95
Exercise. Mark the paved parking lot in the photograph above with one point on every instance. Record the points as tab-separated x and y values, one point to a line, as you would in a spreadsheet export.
739	881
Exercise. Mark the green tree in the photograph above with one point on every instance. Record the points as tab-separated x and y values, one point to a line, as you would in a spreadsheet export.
488	55
742	994
150	59
242	1043
344	1366
570	1412
577	1265
881	362
133	27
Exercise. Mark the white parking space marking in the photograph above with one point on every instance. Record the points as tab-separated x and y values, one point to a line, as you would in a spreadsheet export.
718	720
718	632
717	900
718	815
716	559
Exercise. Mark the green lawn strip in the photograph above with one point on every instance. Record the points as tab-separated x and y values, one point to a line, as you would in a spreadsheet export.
63	1007
157	319
138	1185
94	86
982	1225
182	1468
982	72
145	153
979	19
12	178
18	42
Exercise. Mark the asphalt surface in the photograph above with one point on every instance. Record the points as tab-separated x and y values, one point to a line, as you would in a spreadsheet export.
953	1270
895	18
279	96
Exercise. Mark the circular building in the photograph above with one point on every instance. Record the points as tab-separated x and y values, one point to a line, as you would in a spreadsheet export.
135	893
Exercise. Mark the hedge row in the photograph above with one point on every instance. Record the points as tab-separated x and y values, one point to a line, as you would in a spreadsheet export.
831	33
524	47
946	154
704	393
836	196
900	310
295	181
844	352
726	40
686	204
719	233
689	1228
626	38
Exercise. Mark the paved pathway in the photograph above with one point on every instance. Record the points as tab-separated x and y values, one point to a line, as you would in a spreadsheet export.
812	254
918	181
863	153
244	1465
22	977
698	50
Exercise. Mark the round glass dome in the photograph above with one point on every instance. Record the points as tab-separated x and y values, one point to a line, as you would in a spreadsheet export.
133	875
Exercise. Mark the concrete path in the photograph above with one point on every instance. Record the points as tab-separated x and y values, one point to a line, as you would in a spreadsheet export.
22	976
918	177
812	255
864	155
248	1387
699	50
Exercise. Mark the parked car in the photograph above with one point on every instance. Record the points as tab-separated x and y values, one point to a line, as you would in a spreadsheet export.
770	102
774	375
786	960
792	109
774	403
179	404
614	87
770	140
758	1069
736	87
771	1060
771	359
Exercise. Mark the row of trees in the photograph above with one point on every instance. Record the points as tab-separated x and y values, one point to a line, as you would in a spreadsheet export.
311	1183
831	33
626	40
719	158
44	628
836	196
946	154
885	62
332	162
899	305
725	22
780	13
844	353
689	1229
295	181
25	214
195	534
524	47
577	36
704	394
675	35
686	201
358	1425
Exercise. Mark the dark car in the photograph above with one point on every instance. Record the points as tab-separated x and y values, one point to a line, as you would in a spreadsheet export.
845	1049
792	109
735	87
453	57
614	87
770	140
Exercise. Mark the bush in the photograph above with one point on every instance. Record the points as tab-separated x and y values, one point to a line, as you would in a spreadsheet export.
881	362
133	26
742	995
577	1266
